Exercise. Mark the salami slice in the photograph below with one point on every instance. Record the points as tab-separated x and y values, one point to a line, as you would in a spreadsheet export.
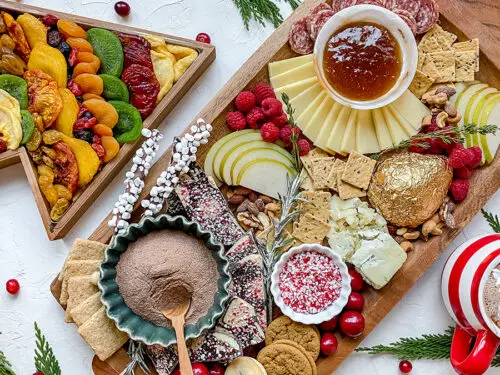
319	21
299	39
408	18
428	15
314	12
379	3
411	6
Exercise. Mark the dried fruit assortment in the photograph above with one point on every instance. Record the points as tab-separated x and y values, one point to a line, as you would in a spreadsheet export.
65	95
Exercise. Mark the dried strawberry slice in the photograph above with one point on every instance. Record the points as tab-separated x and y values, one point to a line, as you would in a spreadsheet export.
135	75
136	53
126	39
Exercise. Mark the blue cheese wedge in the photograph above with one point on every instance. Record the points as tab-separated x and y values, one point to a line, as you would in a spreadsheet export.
378	259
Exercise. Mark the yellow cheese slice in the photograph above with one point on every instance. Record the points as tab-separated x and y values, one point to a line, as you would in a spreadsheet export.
317	120
366	137
397	132
411	108
327	127
383	135
298	74
403	122
349	139
278	67
295	89
337	134
302	101
307	114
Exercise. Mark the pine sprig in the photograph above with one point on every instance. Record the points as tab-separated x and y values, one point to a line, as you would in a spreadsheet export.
260	11
492	220
5	365
45	360
293	3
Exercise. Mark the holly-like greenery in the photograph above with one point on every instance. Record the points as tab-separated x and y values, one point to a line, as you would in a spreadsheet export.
45	360
262	11
5	366
492	220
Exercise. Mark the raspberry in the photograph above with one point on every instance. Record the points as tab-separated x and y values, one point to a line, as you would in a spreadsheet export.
434	147
236	121
255	118
415	147
263	91
463	173
280	120
448	147
459	189
476	156
460	157
286	133
245	101
304	146
272	107
269	132
3	146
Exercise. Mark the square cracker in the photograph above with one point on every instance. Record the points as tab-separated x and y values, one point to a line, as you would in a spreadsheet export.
420	84
347	191
430	70
310	229
429	45
86	309
315	153
445	39
338	166
421	60
84	250
102	335
317	199
320	170
307	182
471	45
76	268
358	170
465	65
445	64
79	289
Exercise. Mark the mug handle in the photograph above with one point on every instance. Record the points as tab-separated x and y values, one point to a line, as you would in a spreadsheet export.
476	361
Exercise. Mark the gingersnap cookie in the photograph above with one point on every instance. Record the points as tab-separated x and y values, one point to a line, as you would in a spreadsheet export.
284	328
286	357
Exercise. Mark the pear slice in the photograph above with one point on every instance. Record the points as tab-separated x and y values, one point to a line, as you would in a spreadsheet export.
473	110
337	134
297	74
327	127
409	107
460	88
383	135
317	120
464	98
302	101
306	115
397	132
366	137
349	139
295	89
490	115
279	67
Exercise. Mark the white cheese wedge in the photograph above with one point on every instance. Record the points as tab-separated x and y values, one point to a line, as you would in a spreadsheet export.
349	139
298	74
337	134
295	89
409	106
327	127
279	67
378	260
343	243
397	132
317	120
383	134
307	114
302	101
403	122
366	137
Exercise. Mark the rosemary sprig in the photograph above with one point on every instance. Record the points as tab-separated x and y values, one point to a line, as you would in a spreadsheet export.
136	354
5	365
294	138
260	11
45	360
492	220
448	136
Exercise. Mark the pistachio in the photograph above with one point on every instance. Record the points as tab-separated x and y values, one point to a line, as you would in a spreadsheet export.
407	246
411	235
449	91
441	119
450	109
401	231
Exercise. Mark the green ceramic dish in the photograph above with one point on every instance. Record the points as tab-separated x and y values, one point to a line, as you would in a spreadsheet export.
135	326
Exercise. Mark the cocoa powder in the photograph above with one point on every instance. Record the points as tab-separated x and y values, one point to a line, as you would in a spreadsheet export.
160	270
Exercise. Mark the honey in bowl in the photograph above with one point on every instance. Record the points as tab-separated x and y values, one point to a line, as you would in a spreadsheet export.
362	61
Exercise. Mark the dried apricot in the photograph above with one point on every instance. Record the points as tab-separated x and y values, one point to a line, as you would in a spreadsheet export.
111	146
90	83
104	112
102	130
59	209
63	192
50	194
92	96
82	68
69	29
87	57
80	44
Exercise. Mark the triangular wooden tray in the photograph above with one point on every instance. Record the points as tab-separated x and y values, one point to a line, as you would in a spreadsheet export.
484	183
110	170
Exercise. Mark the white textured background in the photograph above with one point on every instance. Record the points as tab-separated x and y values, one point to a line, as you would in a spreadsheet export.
26	254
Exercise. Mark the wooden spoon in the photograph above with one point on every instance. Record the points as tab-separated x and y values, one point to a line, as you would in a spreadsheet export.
177	316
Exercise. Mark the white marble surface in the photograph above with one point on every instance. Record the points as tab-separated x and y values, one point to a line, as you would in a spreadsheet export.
26	254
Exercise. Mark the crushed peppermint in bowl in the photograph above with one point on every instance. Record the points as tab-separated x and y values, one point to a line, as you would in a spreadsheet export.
310	284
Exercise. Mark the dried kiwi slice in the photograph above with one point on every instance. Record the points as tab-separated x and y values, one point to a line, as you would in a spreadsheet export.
27	124
129	125
16	87
108	48
114	88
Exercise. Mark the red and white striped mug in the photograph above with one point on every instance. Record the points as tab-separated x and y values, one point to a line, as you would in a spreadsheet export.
464	277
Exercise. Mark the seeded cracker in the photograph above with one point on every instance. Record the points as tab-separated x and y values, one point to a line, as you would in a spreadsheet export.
420	84
471	45
316	153
445	64
307	182
319	206
465	64
429	45
347	191
430	70
445	39
358	170
321	169
332	177
421	60
311	229
86	309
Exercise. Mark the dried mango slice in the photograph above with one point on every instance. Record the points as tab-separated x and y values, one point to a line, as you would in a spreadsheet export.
17	34
51	61
33	28
185	57
164	72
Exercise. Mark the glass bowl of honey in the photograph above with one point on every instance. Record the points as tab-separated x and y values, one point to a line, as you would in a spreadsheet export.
365	57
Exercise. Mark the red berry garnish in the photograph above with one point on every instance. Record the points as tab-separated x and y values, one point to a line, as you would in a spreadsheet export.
352	323
255	118
476	157
356	280
272	107
330	325
245	101
50	20
263	91
269	132
203	38
459	189
12	286
74	88
304	146
328	343
38	373
236	121
3	146
460	157
122	8
216	369
72	60
405	367
286	133
199	369
463	173
356	301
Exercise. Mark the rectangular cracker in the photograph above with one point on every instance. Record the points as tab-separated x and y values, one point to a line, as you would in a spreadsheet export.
86	309
445	64
465	66
84	250
420	84
318	199
358	170
471	45
347	191
310	229
338	166
315	153
445	39
79	289
320	170
76	268
307	182
102	335
421	60
429	45
430	70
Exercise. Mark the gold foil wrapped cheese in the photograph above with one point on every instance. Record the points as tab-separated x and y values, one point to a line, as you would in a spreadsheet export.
408	188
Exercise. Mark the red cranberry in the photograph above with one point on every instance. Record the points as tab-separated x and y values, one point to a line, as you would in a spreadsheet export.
356	280
330	325
203	38
200	369
38	373
405	367
352	323
12	286
356	302
216	369
328	344
122	8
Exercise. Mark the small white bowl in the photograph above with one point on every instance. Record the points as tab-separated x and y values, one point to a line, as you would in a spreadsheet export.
399	30
331	311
